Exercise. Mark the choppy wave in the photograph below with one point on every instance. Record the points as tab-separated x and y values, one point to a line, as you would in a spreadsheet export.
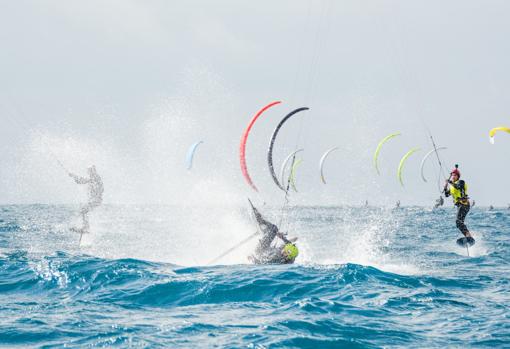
50	297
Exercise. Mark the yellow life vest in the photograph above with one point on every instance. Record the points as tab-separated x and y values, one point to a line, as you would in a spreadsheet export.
458	198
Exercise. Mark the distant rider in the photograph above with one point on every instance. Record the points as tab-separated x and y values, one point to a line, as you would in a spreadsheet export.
457	188
439	202
265	253
95	194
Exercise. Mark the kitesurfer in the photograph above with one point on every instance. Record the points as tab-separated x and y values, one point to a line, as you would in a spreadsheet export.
266	252
439	202
457	189
95	195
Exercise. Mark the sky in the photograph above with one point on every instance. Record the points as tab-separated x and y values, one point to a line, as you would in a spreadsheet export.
130	85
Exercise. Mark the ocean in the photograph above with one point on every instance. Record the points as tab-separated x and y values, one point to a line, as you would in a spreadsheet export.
366	277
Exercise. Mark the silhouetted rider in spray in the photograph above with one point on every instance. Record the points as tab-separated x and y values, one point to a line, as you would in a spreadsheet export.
95	195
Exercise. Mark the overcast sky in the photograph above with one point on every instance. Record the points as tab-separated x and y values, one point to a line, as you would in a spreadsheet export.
130	85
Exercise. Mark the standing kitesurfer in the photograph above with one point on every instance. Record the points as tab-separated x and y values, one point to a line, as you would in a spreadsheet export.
266	253
457	188
95	195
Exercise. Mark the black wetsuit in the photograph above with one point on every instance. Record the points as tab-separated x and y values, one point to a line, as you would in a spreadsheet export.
265	253
462	203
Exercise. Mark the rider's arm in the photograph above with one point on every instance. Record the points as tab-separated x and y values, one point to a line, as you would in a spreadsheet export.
282	236
446	190
459	185
78	179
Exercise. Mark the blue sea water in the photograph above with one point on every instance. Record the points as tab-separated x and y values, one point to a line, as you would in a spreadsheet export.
366	278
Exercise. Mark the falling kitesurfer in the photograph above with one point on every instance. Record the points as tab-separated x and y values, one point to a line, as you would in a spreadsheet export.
266	252
95	196
457	189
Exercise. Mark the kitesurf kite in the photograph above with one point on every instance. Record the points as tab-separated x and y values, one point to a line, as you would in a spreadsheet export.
242	147
191	154
292	177
321	163
292	155
425	159
271	144
379	146
402	162
496	129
